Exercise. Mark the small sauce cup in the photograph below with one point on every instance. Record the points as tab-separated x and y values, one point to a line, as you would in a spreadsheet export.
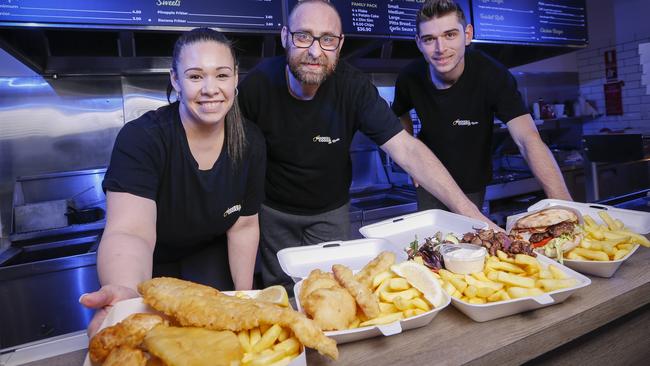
463	258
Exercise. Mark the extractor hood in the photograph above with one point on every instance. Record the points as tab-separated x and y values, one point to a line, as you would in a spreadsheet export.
51	52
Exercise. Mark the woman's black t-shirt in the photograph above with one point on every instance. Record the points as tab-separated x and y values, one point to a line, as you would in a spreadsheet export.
151	159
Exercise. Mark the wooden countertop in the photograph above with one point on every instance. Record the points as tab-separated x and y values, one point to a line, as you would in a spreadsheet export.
454	339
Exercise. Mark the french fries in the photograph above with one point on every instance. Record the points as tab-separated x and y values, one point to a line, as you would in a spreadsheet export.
398	299
276	346
608	242
502	280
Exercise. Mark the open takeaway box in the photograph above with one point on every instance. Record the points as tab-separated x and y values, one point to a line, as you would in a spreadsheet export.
399	231
636	221
298	262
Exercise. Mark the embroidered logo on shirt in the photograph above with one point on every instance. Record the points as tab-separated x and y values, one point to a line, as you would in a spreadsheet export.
234	208
325	139
464	122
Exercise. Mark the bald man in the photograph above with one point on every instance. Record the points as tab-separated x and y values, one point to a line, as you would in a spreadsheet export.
309	104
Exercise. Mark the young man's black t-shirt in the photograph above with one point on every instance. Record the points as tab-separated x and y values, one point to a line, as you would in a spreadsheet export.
309	166
457	122
152	159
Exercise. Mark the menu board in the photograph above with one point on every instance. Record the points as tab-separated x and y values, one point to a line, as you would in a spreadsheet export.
531	21
380	18
227	14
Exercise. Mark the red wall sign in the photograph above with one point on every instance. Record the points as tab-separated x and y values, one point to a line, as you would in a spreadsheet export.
614	98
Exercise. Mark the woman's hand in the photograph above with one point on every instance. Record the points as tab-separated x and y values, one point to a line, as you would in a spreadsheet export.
102	301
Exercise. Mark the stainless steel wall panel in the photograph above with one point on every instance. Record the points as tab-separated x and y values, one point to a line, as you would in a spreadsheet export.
53	125
143	93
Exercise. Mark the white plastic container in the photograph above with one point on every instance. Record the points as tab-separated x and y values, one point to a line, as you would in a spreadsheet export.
598	268
463	258
636	221
401	230
510	220
490	311
299	261
124	308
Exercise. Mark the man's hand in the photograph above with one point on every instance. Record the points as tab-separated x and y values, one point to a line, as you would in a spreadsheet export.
102	301
495	227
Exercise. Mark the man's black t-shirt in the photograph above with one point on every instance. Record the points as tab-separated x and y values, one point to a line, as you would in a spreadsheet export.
457	122
152	159
309	166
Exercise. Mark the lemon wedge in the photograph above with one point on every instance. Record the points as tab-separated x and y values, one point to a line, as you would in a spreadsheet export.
421	277
276	294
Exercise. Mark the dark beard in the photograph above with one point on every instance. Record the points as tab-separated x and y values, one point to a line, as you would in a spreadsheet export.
308	77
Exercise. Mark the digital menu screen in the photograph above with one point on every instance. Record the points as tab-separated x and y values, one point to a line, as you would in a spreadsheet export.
380	18
235	14
531	21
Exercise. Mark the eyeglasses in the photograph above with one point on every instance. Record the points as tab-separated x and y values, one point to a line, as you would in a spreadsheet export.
305	40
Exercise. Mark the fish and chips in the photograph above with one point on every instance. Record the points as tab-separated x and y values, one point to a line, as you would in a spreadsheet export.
128	333
199	325
375	295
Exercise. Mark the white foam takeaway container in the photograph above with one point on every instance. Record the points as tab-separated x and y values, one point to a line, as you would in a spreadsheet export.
500	309
297	262
121	310
401	230
636	221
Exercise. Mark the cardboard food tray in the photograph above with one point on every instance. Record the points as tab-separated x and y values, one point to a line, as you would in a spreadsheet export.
636	221
490	311
298	262
123	309
401	230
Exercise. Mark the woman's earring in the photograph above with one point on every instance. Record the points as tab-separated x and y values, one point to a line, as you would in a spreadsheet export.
178	95
236	91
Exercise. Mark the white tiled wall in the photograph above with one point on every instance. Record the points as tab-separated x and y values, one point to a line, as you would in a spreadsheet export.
633	58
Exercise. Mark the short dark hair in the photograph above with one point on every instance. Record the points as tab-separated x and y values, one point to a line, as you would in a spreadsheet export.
438	8
324	2
234	124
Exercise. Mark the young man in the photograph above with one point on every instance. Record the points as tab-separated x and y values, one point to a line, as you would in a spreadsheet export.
309	105
456	93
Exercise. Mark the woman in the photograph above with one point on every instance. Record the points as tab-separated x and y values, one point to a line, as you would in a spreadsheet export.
183	180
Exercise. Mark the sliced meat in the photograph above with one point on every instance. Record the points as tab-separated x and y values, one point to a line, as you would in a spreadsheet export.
509	244
538	237
561	228
469	237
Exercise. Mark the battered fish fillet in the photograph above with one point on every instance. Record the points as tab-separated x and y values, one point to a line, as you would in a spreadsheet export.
316	279
331	308
380	264
196	305
194	346
129	332
367	301
125	356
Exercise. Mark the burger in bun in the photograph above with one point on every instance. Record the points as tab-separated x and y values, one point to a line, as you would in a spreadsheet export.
551	231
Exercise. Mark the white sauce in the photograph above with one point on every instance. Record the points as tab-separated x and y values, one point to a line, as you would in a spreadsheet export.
466	254
465	261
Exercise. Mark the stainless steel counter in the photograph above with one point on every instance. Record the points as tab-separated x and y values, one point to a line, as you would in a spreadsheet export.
40	289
